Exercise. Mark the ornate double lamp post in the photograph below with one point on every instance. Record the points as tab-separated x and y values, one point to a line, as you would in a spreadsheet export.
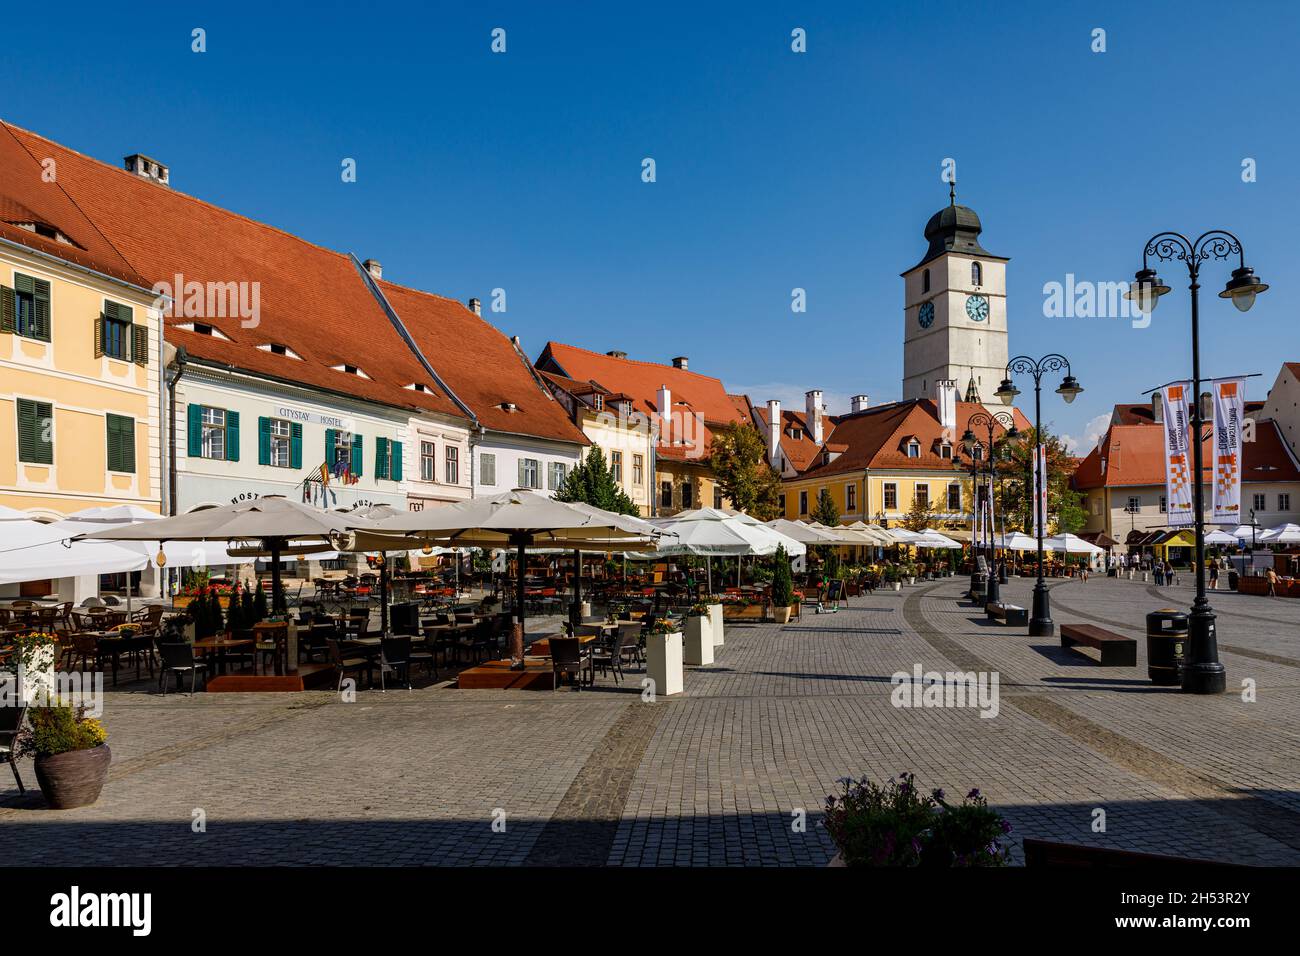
1040	622
990	449
1202	673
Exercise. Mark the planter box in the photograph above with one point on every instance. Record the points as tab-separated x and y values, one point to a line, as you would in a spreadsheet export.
748	612
183	600
698	648
663	663
782	614
715	616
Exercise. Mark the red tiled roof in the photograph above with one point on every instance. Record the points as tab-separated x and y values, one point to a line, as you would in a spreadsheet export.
311	299
481	366
1134	455
802	451
690	392
26	196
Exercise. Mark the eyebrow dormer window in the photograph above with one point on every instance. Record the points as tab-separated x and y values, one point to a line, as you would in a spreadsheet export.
350	370
275	348
202	328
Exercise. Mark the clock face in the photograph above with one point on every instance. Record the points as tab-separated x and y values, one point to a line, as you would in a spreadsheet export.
977	307
925	315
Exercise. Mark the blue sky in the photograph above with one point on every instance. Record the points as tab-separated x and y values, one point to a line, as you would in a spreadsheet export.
775	170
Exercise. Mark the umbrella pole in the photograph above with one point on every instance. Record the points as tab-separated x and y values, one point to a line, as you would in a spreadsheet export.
575	612
708	564
277	593
517	634
383	593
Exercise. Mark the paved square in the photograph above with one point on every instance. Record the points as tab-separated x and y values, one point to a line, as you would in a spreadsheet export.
724	774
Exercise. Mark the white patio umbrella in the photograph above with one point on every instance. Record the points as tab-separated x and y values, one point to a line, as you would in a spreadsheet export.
1288	533
1070	544
31	551
712	531
274	524
802	532
1017	541
519	519
1219	536
933	539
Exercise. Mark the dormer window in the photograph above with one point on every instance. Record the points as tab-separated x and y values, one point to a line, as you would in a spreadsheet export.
945	451
597	401
275	348
913	448
202	328
509	407
419	387
350	370
796	434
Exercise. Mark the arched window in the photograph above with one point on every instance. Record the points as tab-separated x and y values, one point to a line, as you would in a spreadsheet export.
976	274
925	281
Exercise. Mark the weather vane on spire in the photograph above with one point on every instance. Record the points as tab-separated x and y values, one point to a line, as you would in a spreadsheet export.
952	191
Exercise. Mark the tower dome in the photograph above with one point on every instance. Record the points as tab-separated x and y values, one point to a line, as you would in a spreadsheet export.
953	228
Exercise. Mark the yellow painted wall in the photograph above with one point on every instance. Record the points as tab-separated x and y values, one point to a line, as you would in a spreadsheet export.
837	485
82	389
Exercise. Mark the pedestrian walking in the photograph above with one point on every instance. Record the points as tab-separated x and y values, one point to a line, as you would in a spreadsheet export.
1272	582
1214	575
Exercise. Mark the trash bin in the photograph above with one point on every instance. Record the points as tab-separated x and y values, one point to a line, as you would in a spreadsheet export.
1166	645
1232	580
404	618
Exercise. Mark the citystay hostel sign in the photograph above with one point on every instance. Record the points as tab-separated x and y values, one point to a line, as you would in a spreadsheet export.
1178	469
1229	406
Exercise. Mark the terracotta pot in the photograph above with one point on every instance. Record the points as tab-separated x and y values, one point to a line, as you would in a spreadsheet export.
75	778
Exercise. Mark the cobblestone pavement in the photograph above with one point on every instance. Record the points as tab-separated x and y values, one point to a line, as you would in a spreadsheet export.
734	771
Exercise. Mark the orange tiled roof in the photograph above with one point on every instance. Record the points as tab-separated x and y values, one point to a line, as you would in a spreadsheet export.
311	298
481	366
690	392
1134	455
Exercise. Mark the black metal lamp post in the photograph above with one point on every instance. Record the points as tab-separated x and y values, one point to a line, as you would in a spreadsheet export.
991	447
1203	673
1040	622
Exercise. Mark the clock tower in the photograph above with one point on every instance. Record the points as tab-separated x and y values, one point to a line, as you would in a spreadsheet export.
955	308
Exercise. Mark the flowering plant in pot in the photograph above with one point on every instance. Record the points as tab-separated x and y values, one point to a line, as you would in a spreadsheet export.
35	653
71	752
898	825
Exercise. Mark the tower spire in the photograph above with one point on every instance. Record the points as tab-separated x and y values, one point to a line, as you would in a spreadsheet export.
952	191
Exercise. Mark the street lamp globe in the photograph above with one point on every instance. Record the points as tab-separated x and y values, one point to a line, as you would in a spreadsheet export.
1069	388
1242	288
1145	290
968	441
1007	391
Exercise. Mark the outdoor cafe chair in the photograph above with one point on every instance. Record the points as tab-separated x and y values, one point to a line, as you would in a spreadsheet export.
395	659
11	721
179	659
630	633
84	650
425	658
611	657
568	657
346	663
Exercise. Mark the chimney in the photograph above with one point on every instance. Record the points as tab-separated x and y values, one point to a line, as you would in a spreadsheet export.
813	407
664	404
1157	409
374	268
774	433
615	353
680	362
476	306
147	168
859	403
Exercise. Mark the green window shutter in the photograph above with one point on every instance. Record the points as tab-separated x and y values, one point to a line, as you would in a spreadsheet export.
121	443
232	436
331	436
396	470
194	426
41	298
34	443
8	310
381	457
263	441
358	451
99	335
139	343
24	284
295	444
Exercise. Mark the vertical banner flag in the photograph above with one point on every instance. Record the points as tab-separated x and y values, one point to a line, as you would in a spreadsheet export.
1040	488
993	530
1229	406
1178	468
975	516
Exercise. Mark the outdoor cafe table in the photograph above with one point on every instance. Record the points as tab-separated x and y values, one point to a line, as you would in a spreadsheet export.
112	644
218	646
542	648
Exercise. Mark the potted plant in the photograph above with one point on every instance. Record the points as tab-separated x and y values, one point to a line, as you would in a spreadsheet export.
663	657
892	577
897	825
71	754
698	646
36	652
910	572
782	588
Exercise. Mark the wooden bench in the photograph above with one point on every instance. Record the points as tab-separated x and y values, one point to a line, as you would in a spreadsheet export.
1116	649
1012	614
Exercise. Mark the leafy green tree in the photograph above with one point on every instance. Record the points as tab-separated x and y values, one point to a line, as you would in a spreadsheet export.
825	511
739	461
920	516
591	482
782	581
1065	506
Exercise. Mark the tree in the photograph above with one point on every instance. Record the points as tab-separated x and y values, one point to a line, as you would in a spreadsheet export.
739	462
782	582
825	511
592	483
1065	506
920	516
